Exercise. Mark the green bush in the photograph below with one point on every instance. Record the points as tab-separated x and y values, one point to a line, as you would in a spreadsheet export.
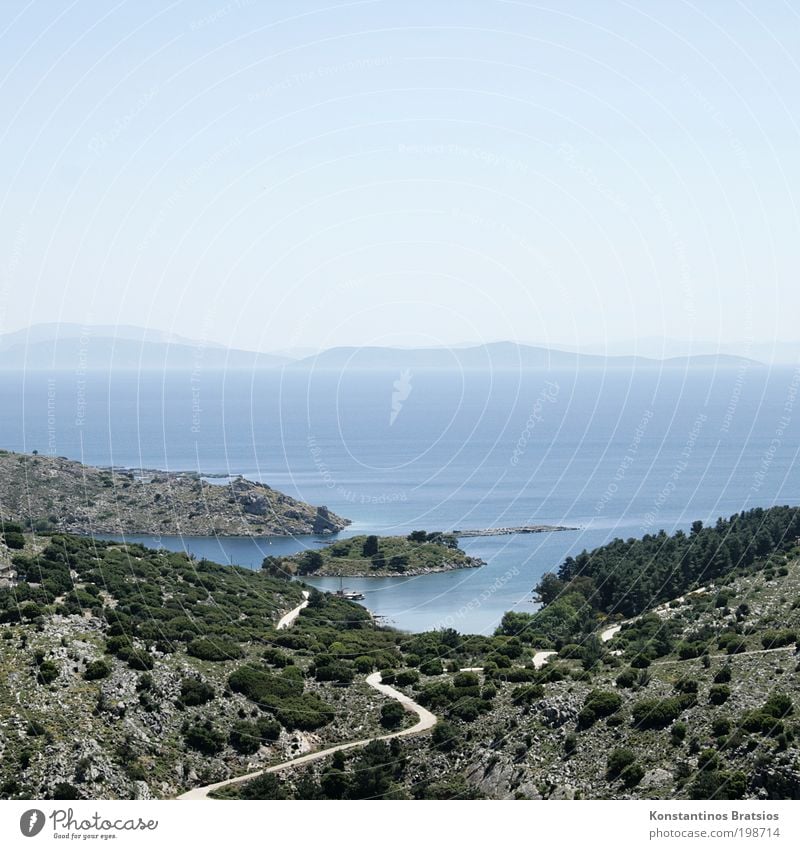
719	694
392	714
432	666
723	675
718	784
655	713
213	649
14	540
245	738
625	679
598	703
204	738
96	669
305	713
406	677
445	737
47	672
777	639
195	691
617	761
527	693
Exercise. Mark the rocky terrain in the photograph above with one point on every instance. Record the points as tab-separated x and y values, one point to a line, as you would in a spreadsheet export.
53	493
119	668
137	673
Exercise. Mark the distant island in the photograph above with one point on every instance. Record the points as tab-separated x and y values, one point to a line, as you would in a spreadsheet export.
57	494
511	531
420	553
103	348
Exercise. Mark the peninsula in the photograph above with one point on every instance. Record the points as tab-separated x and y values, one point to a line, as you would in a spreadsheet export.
420	553
57	494
518	529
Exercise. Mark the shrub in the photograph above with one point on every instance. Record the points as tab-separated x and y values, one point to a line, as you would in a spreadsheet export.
678	731
245	738
263	687
719	694
720	726
433	666
195	692
305	713
618	760
625	679
214	650
14	540
640	661
687	685
718	784
96	669
655	713
140	660
406	677
598	703
777	639
570	744
445	737
527	693
779	705
723	675
47	672
632	775
204	738
467	708
392	714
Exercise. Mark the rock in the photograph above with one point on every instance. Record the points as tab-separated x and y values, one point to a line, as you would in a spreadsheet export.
563	792
655	778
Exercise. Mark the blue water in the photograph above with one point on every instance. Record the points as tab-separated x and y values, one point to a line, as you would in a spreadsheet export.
616	453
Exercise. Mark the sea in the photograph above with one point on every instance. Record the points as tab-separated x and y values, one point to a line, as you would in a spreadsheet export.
617	452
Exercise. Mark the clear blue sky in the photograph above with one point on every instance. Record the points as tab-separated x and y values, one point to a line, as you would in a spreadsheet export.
282	174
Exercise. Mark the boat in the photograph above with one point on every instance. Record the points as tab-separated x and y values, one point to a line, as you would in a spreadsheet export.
350	595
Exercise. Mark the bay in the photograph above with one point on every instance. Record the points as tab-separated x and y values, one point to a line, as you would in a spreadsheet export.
613	452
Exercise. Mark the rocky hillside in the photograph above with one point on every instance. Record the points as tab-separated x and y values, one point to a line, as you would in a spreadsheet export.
697	697
51	493
131	673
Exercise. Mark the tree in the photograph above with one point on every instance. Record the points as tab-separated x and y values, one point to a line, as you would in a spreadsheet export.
548	589
370	546
392	714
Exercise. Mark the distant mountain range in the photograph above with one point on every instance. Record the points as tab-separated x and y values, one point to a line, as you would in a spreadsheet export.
100	348
496	355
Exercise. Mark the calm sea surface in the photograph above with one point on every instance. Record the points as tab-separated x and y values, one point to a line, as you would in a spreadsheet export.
616	453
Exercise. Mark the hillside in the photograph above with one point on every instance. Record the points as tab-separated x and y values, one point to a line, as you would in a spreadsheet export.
420	553
131	673
53	493
136	673
696	698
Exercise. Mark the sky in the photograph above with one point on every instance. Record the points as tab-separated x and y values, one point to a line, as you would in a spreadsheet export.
282	175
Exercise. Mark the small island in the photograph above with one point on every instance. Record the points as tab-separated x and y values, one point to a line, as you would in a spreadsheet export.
419	553
517	529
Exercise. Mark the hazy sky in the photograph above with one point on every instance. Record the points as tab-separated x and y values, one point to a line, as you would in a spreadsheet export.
286	174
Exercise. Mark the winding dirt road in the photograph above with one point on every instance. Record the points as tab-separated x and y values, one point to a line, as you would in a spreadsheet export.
425	722
286	621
